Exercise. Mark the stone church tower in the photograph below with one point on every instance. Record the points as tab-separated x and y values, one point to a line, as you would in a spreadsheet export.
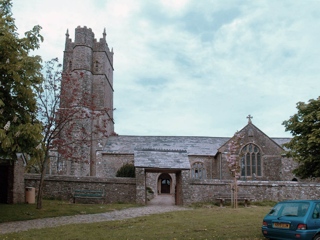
93	61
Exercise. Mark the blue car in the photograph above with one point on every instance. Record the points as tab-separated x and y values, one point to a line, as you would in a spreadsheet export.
295	219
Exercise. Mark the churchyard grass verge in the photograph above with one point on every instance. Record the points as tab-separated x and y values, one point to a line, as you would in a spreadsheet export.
53	208
207	222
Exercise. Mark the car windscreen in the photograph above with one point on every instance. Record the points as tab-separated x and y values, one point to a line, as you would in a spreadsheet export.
292	209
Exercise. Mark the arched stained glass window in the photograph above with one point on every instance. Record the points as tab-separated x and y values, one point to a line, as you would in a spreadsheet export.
198	171
250	161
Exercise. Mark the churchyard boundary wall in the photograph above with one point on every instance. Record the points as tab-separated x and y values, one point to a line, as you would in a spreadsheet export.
208	190
124	189
117	190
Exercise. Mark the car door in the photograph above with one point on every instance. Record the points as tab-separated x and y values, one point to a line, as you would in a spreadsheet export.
314	218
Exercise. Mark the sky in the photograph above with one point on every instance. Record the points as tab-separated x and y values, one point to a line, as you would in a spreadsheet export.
191	67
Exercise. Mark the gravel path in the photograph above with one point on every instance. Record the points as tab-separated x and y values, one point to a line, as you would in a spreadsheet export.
89	218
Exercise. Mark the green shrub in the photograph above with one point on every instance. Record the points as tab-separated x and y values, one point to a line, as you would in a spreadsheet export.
149	190
127	170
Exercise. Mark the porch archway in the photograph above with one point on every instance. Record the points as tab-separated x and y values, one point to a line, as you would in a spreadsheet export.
164	183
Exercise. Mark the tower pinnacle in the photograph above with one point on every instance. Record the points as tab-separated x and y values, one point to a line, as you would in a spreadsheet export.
104	34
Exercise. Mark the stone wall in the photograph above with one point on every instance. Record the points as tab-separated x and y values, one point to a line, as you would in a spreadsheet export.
18	191
189	190
109	164
287	166
141	196
208	190
62	187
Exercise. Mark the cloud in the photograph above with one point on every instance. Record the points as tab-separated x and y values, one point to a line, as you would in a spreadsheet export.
193	67
174	8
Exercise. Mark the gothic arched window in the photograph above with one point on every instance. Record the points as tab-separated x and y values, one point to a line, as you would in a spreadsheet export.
250	161
198	171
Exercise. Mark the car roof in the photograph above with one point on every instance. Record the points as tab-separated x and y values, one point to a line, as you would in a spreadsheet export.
301	200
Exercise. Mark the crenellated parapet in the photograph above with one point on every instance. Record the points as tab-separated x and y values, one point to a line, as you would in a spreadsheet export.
86	53
84	36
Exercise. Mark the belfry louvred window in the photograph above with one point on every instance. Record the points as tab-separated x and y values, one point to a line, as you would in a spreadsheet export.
250	161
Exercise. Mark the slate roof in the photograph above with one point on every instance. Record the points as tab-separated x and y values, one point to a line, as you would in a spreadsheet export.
207	146
164	159
281	141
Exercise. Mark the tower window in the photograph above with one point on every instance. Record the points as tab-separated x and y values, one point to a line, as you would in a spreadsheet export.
96	66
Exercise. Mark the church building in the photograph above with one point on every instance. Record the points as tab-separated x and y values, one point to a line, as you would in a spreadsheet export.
163	164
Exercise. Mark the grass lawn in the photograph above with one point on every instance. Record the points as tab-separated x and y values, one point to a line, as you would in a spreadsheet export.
53	208
206	222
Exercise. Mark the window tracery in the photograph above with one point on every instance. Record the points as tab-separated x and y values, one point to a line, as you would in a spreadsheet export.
198	171
251	161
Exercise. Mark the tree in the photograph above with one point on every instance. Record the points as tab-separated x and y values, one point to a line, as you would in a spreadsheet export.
69	117
20	75
304	147
233	159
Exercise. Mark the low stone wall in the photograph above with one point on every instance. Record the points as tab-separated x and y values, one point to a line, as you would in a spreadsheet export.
208	190
62	187
124	189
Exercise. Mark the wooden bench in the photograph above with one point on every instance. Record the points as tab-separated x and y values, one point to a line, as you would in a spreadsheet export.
88	194
241	198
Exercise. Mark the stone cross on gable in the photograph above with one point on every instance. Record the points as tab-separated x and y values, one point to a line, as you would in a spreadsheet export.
249	118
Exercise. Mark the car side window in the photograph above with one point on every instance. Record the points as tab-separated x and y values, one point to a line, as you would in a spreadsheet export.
316	211
275	210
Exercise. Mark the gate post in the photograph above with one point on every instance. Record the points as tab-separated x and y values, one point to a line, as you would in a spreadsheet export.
141	194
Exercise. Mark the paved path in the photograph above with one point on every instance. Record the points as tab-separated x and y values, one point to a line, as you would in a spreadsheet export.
159	204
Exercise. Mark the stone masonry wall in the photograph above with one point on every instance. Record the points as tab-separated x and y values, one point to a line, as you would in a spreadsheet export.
287	165
18	182
209	190
62	187
141	197
189	190
109	164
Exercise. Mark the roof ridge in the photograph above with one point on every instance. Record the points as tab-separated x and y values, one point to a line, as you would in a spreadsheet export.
160	150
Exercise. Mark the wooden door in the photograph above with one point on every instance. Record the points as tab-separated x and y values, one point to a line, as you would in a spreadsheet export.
4	184
165	186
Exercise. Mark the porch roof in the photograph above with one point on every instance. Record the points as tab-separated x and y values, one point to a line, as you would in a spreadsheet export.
161	159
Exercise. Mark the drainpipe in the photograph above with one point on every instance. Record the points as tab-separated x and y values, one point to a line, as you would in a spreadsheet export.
211	167
220	166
